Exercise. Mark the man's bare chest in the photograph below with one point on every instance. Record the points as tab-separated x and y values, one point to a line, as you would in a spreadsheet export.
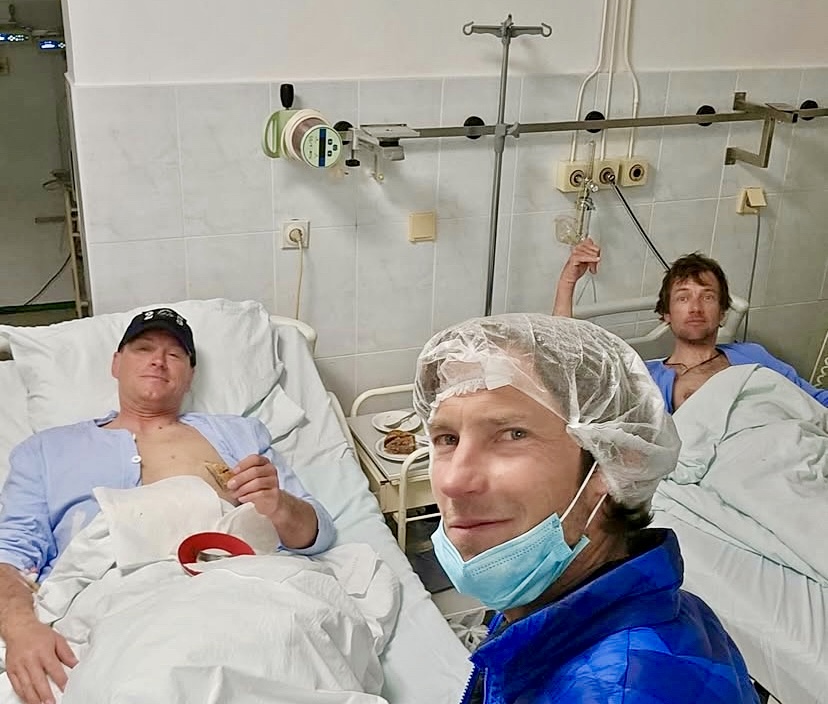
175	451
687	383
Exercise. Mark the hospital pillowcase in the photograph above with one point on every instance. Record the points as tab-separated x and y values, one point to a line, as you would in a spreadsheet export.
66	367
14	426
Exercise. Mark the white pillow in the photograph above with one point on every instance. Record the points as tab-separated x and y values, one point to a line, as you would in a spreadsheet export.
14	425
66	367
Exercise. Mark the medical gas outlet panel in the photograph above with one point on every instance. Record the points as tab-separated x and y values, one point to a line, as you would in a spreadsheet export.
629	171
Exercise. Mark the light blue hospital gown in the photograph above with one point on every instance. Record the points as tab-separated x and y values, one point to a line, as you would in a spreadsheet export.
736	353
48	496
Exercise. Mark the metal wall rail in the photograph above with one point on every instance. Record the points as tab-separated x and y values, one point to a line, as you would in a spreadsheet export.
381	137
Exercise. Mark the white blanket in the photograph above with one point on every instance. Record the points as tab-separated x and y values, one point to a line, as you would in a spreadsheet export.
257	629
754	467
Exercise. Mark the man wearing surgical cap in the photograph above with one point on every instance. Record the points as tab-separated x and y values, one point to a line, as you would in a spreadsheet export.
548	440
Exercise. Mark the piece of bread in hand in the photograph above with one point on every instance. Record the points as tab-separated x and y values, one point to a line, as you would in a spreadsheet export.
220	472
399	442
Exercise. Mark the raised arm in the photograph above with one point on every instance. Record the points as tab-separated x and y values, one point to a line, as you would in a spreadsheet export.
584	257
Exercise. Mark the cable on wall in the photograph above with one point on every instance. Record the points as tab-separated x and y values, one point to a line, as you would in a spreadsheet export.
49	282
752	274
296	236
638	225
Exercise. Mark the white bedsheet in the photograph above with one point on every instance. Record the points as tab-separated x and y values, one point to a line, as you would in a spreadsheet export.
141	626
777	617
754	466
424	661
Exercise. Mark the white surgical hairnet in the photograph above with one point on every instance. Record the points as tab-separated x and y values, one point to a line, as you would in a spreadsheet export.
586	375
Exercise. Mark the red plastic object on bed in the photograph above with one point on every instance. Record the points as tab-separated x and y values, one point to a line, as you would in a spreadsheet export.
191	546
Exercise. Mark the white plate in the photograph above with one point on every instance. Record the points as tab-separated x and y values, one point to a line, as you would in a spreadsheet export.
381	420
382	452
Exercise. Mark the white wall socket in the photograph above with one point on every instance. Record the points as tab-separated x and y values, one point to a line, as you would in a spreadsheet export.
634	171
294	232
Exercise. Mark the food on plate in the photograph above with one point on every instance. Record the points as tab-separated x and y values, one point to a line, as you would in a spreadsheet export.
399	442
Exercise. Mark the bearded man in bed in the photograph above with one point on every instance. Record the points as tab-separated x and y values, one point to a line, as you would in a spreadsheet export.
48	496
548	441
693	301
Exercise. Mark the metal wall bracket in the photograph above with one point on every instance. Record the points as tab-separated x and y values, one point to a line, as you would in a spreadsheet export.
760	158
771	113
382	142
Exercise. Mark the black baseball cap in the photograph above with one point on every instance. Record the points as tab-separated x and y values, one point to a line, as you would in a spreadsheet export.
162	319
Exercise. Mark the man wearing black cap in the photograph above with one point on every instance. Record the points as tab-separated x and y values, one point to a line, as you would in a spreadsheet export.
147	440
165	319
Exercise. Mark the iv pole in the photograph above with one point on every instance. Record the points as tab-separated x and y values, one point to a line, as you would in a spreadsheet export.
506	31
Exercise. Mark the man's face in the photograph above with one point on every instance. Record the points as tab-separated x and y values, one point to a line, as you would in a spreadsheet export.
153	371
695	312
501	464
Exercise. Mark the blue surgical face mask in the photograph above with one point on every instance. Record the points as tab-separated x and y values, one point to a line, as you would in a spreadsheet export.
518	571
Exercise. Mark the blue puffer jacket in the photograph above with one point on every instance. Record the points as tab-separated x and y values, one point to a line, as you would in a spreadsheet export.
630	636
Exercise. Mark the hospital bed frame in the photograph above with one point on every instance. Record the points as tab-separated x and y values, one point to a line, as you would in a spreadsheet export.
819	377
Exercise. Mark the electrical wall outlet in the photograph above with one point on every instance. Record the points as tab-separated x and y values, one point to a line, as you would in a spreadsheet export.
634	171
294	233
751	200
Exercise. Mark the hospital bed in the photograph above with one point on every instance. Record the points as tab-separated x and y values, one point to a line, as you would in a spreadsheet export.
777	616
424	660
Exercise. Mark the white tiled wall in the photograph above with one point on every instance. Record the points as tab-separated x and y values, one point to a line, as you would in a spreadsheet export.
179	201
225	176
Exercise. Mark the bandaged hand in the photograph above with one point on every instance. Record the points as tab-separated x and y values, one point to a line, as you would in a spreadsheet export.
36	653
256	481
